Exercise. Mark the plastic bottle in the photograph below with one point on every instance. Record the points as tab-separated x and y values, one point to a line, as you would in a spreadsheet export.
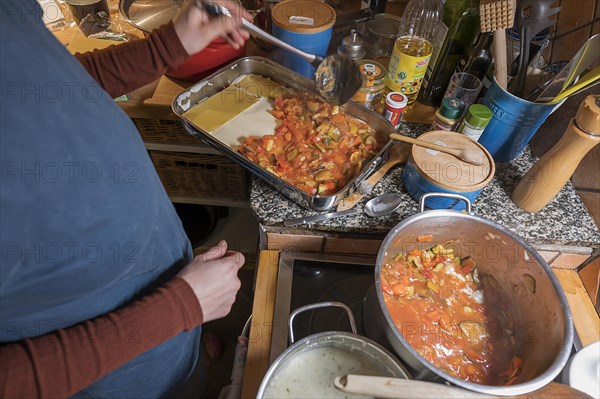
479	57
413	48
477	118
460	25
448	115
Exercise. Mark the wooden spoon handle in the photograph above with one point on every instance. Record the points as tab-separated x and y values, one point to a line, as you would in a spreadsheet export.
352	200
386	387
499	44
449	150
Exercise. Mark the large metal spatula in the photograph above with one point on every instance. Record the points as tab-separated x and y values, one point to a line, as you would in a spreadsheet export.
337	77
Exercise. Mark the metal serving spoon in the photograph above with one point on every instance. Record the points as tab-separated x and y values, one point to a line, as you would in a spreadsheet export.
337	77
375	207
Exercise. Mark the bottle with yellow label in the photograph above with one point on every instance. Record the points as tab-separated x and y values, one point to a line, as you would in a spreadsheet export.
413	48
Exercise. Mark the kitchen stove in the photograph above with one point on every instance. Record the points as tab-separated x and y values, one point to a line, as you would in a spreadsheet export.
306	278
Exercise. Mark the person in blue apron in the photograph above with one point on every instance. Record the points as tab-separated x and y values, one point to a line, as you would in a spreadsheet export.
100	295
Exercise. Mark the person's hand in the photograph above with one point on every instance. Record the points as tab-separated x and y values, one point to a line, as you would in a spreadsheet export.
196	29
213	277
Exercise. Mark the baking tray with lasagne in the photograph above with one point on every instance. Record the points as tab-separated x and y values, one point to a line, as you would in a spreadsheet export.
271	121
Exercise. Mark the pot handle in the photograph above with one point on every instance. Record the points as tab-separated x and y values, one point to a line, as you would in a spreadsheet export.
446	195
317	306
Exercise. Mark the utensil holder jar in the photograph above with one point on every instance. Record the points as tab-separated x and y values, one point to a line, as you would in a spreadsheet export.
513	124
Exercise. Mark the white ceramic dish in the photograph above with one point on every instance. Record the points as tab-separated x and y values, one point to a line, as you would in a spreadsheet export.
582	372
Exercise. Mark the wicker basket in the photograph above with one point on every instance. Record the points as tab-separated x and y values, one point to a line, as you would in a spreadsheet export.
200	175
164	131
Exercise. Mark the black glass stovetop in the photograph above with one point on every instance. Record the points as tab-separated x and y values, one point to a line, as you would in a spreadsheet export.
305	279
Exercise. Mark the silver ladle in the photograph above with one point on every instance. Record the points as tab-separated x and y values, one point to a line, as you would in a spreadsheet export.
379	206
337	77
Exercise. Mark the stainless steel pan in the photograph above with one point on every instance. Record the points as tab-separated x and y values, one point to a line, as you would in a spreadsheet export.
267	68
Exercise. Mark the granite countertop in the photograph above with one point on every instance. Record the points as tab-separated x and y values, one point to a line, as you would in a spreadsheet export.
564	221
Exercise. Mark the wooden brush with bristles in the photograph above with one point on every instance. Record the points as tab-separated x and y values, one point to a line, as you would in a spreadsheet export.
496	16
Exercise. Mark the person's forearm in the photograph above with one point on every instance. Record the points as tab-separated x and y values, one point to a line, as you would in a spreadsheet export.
63	362
125	67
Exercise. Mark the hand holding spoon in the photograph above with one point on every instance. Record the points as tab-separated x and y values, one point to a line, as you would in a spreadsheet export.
337	77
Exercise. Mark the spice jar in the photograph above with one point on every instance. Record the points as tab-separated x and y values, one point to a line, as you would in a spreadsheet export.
370	93
477	118
395	103
448	114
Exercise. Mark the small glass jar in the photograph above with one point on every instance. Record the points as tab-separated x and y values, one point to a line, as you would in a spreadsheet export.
395	103
370	93
448	114
381	35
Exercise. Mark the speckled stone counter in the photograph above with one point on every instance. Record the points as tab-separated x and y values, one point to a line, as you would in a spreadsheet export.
564	221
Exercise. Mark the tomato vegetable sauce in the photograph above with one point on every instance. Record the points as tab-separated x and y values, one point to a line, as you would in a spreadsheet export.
452	315
316	146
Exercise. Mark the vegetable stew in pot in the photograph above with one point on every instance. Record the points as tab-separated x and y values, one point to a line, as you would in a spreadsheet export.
452	314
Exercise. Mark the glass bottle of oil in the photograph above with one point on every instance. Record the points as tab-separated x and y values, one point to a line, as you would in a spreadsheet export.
460	27
413	48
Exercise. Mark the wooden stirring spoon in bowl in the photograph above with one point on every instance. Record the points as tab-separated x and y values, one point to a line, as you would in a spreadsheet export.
464	154
387	387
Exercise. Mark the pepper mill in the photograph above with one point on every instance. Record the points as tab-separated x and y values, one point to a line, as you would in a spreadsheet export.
549	175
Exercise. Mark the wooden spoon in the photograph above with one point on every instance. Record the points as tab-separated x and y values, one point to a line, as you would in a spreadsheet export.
398	154
465	155
386	387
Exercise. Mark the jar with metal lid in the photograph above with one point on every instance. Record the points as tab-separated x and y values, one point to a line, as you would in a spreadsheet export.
370	93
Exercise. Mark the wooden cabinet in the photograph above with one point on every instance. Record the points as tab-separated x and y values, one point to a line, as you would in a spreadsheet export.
191	171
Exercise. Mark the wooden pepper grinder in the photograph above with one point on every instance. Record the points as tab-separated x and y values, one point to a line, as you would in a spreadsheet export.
549	175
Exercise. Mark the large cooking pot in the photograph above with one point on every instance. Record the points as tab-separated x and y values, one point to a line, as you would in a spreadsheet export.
149	15
308	367
544	324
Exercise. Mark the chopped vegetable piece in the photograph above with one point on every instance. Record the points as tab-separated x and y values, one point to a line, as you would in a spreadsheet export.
425	238
530	281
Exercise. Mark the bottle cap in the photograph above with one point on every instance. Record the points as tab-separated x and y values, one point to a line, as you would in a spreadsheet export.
396	100
478	116
373	73
452	107
352	46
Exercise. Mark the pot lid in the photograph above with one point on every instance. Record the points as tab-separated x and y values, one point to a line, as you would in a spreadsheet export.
302	16
447	171
148	15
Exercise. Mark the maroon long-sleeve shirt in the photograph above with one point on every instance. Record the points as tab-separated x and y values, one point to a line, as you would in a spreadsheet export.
63	362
